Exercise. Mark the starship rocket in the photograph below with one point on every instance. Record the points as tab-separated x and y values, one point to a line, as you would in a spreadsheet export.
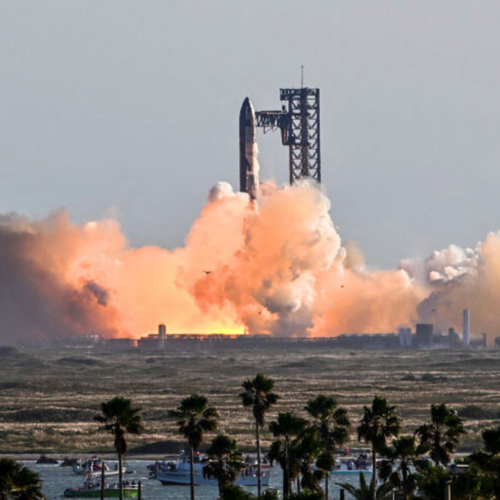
249	167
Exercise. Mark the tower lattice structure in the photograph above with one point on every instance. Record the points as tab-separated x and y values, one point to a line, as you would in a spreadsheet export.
299	123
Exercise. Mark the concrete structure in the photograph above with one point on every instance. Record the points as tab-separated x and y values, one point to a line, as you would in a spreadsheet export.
154	341
424	335
424	338
466	328
162	331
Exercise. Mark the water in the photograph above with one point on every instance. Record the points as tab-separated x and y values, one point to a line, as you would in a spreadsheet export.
56	479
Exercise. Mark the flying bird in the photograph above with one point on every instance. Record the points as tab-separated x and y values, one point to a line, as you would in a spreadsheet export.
207	272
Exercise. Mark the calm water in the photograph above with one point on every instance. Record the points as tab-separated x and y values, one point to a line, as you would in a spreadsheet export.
56	479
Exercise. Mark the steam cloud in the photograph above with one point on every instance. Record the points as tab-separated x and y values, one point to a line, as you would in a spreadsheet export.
274	266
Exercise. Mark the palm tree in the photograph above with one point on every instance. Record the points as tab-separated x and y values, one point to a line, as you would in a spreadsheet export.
119	416
287	426
442	434
399	458
290	462
367	491
18	482
432	481
326	463
271	494
225	461
194	418
231	492
379	423
306	447
330	419
333	426
258	394
488	461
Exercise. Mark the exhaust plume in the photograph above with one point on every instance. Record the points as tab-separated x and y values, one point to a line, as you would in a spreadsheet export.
275	265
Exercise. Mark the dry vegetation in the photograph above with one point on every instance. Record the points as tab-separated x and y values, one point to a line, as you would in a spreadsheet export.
48	398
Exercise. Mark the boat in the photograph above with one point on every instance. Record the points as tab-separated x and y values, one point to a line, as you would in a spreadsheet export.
69	462
91	488
94	465
44	460
178	473
352	465
264	463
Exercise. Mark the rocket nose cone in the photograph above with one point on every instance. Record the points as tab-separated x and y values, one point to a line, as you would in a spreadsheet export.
247	109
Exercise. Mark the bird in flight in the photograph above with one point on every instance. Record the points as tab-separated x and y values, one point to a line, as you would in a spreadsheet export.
207	272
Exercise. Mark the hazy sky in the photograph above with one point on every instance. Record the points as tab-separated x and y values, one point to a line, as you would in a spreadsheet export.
131	109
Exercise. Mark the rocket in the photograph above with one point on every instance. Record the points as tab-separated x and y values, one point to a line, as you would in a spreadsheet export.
249	166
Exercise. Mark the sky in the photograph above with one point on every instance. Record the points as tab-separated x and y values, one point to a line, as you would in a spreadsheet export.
130	110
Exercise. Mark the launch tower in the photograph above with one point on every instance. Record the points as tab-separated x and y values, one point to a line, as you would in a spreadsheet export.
299	124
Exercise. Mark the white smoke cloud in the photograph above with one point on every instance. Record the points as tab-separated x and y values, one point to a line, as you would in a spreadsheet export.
275	266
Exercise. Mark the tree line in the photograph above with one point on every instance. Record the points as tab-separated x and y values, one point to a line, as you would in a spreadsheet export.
404	465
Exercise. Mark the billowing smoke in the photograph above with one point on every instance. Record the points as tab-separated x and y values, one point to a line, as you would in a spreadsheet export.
275	266
38	295
100	293
465	279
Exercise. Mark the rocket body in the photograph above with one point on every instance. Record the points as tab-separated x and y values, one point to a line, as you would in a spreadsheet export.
249	166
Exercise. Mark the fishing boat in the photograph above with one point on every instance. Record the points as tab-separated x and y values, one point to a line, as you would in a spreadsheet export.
178	472
91	488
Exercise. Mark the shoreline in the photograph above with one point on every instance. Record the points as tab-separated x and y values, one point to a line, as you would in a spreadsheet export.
25	457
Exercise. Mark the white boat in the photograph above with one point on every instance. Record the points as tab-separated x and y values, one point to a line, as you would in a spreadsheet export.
179	473
94	466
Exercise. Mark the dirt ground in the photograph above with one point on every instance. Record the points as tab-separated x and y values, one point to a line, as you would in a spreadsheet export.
48	398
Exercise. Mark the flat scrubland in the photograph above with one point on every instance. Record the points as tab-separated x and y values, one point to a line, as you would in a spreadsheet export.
48	398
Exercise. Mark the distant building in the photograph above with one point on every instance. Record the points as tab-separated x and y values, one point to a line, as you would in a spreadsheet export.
162	331
122	344
453	337
497	342
151	343
154	341
409	338
405	340
424	335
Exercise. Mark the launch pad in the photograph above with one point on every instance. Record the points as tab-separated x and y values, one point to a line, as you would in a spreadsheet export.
299	124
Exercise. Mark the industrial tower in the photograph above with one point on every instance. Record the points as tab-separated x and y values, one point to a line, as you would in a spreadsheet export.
300	130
